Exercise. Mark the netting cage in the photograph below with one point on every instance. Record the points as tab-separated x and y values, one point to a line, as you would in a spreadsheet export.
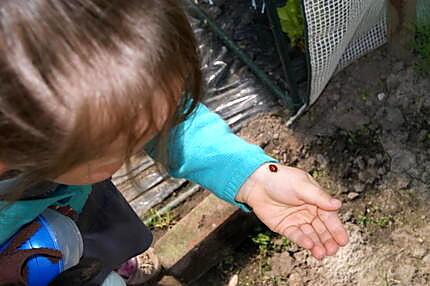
313	39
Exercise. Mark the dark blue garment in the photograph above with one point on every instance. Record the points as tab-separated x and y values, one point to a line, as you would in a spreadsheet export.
111	230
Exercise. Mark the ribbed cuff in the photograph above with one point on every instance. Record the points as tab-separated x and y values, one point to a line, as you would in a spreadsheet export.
240	176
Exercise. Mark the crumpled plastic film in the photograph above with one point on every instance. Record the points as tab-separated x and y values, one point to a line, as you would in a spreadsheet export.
232	90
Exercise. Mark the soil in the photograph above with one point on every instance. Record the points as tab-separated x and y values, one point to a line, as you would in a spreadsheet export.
367	142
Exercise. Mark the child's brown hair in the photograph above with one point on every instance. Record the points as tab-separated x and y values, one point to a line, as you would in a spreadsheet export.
77	74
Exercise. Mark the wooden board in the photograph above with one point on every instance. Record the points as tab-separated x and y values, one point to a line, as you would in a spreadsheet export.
156	195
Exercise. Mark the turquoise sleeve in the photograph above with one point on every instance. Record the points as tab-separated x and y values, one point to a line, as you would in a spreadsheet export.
204	150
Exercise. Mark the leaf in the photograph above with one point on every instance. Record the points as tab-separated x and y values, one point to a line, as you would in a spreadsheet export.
292	22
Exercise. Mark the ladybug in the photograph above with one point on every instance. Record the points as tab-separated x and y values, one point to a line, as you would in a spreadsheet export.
273	168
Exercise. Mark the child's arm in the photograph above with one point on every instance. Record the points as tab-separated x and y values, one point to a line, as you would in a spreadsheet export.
204	150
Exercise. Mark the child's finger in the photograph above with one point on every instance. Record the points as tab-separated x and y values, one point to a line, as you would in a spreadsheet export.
313	194
297	236
318	251
334	226
325	236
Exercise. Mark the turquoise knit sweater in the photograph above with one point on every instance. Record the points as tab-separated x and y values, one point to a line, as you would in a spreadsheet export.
203	149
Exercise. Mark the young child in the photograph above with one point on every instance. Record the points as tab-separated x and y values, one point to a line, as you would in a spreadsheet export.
85	85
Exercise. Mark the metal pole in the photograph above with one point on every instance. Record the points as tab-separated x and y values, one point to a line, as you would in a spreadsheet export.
282	48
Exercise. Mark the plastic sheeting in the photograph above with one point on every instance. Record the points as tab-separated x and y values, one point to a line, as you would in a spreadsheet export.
231	90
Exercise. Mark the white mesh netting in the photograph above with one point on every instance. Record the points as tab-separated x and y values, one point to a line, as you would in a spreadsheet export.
340	31
423	12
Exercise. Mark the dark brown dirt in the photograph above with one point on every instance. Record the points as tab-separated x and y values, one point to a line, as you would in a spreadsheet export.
367	142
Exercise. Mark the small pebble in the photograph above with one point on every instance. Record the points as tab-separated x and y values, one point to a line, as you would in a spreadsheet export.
371	162
359	188
234	281
322	160
295	279
419	252
381	96
353	195
347	216
360	163
379	158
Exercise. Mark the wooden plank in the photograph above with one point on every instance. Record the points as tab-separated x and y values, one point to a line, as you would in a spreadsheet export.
137	165
202	238
402	27
140	182
147	200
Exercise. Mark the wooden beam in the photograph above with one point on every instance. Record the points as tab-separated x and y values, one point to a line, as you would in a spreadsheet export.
203	238
402	27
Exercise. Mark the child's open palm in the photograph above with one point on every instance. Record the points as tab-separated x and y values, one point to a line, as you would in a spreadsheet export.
291	203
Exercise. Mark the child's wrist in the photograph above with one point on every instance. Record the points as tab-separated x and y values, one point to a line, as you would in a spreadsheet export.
244	193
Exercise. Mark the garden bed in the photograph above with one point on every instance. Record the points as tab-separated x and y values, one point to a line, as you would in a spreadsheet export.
367	142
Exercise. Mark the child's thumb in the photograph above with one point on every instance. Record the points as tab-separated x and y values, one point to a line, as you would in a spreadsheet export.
316	196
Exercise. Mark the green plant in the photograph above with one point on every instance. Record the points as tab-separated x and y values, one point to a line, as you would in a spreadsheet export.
365	95
269	241
263	240
318	173
363	136
162	221
283	244
292	22
276	280
365	220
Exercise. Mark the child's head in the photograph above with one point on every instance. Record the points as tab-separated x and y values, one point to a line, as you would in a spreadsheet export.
85	83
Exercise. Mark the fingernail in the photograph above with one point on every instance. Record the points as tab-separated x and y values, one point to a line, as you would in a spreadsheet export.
336	203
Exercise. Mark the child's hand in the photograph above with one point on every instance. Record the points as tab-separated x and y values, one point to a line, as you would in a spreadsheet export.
291	203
